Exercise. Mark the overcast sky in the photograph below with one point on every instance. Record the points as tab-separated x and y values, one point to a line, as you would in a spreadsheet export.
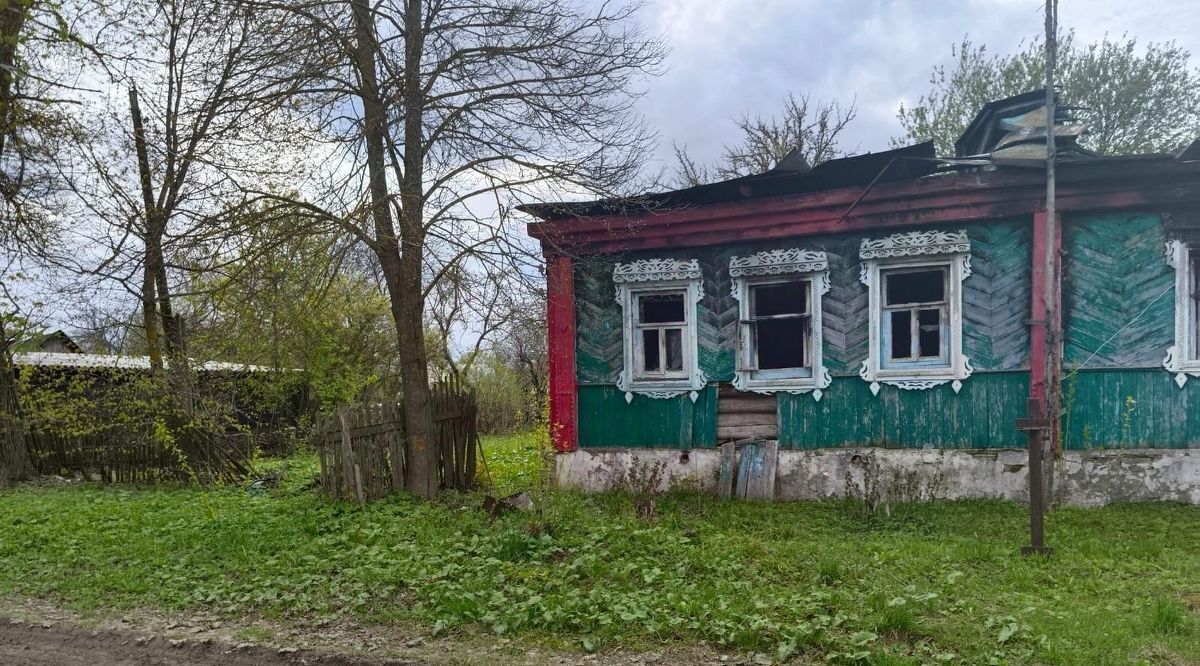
735	56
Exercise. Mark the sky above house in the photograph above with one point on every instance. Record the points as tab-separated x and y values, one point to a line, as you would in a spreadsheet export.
731	57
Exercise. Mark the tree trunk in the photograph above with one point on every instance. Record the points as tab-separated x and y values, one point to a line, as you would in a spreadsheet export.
12	22
401	270
15	463
152	242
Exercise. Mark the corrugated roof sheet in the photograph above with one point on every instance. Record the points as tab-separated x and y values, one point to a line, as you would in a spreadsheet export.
122	362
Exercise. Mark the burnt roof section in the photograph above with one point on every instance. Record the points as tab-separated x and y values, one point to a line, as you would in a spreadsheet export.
987	129
904	163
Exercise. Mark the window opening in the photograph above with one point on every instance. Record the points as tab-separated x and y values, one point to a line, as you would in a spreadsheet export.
915	305
661	320
781	325
1194	300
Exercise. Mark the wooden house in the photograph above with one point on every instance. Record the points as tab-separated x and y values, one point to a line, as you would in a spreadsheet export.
885	318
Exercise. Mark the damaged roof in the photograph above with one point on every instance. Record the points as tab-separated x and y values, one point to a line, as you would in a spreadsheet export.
898	164
1010	132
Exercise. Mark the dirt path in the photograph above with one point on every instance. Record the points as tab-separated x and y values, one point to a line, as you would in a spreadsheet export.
23	644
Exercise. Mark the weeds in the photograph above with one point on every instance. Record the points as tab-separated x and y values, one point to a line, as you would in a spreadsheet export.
804	581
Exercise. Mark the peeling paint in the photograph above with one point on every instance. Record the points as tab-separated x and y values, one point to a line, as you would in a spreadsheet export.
1083	478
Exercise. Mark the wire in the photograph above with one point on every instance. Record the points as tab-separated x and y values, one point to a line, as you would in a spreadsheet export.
1114	335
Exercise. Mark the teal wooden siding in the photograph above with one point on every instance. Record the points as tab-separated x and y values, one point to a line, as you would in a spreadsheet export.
606	420
995	304
1114	269
1124	409
982	415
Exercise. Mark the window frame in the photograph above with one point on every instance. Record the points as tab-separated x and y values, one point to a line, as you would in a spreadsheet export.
1183	358
942	360
649	277
639	327
912	252
782	266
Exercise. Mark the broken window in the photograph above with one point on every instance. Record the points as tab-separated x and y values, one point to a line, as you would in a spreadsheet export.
914	320
660	319
779	294
779	328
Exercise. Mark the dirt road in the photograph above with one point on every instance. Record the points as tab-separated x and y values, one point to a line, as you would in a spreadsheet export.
23	644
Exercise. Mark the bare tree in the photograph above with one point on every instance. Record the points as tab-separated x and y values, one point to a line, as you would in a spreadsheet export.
437	110
161	168
809	130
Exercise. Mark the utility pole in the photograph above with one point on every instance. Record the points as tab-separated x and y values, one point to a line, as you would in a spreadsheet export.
1039	423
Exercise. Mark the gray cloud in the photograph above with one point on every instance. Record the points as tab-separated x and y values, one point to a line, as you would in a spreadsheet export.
742	56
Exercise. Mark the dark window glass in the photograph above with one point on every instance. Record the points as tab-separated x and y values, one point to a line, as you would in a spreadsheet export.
1195	256
781	343
930	333
780	299
916	287
650	360
674	349
661	308
902	334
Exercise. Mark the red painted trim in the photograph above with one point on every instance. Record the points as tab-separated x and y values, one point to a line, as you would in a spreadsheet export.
1044	329
560	319
942	199
1038	333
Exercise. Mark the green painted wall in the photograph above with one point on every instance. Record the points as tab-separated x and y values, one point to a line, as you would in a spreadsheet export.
982	415
605	419
1115	334
1129	409
995	303
1115	268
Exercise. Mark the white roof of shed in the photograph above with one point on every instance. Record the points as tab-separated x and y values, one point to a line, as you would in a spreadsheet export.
112	361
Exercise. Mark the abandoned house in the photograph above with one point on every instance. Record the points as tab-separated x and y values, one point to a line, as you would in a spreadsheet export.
884	314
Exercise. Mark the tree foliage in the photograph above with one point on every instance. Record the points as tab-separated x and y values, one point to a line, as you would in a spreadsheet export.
812	128
1135	99
297	302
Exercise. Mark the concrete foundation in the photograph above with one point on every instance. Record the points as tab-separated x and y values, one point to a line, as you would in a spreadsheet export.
1082	478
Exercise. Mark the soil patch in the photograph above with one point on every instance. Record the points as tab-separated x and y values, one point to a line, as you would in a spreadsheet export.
23	644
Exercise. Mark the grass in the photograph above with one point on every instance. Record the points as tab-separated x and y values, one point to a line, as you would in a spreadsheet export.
804	581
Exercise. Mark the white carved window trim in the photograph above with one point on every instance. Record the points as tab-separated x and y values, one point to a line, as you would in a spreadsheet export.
659	275
809	266
1183	358
913	250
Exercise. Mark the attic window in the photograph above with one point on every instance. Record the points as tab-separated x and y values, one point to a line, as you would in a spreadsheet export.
779	314
914	286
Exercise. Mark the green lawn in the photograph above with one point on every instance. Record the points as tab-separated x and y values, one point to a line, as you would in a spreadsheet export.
808	581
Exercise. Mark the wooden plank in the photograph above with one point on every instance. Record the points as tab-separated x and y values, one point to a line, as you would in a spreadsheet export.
756	473
751	459
725	478
746	419
560	324
347	451
747	432
747	405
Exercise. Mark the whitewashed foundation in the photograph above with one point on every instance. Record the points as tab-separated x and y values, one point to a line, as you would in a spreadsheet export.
1083	478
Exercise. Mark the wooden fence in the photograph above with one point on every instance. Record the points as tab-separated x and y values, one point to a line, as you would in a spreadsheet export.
361	448
134	455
